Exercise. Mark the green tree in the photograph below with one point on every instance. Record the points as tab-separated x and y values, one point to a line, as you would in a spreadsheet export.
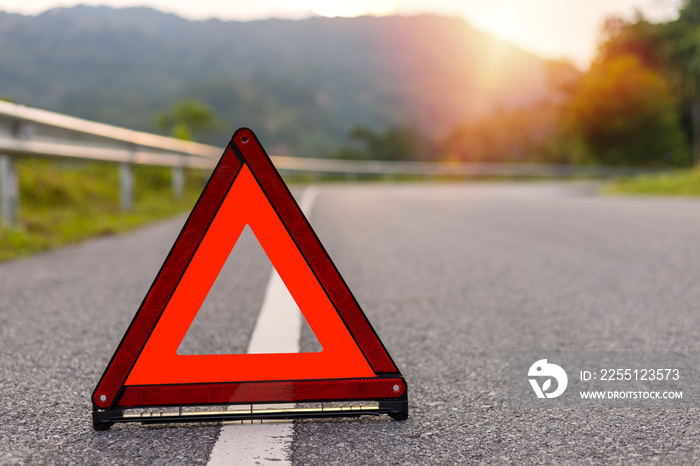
627	115
682	51
671	49
187	118
644	40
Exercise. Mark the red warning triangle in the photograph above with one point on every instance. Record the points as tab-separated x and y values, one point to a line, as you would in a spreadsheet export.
245	189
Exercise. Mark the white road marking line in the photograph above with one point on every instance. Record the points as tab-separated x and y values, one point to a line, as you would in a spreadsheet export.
278	327
277	330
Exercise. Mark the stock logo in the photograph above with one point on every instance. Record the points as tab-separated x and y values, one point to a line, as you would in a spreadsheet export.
545	372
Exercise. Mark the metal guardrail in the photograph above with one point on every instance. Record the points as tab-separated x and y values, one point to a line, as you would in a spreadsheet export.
26	131
429	170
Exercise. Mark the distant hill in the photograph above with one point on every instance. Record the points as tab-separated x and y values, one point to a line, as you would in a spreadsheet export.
300	84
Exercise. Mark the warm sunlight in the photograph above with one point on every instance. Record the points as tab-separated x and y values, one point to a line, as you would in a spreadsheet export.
516	23
344	7
556	28
531	25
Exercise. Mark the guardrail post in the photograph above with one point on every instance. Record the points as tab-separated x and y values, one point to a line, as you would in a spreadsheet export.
9	190
178	180
126	186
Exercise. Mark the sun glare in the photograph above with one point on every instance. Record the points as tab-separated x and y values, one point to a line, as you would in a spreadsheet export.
345	8
518	22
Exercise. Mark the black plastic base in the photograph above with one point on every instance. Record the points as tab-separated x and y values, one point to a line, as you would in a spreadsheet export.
103	420
397	410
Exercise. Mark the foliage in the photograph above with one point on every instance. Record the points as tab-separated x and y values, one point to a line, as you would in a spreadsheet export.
627	115
678	183
670	49
641	39
187	118
638	104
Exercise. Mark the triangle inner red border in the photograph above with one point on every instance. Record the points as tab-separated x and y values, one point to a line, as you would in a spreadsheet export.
159	362
245	189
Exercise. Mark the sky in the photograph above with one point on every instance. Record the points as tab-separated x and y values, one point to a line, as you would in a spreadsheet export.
558	29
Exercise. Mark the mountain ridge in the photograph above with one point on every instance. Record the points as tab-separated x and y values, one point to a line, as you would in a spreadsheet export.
302	84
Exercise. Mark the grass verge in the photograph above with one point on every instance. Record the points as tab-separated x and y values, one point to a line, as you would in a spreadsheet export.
676	183
63	203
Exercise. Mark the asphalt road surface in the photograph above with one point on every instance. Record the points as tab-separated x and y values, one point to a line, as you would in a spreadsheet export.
454	278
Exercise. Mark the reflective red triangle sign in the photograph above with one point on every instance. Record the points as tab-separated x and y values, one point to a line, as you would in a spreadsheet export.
245	189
